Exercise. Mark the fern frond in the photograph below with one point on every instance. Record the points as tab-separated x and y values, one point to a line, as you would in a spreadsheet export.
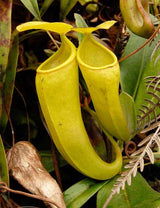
155	49
137	161
147	120
148	112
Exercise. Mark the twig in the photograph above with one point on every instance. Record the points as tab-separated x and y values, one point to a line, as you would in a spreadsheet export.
4	188
56	167
53	40
11	125
144	44
27	115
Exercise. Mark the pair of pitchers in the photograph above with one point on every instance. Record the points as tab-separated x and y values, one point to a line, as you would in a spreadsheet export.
57	86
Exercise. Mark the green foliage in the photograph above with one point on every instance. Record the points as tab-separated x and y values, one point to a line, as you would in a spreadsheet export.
47	160
5	34
133	67
81	192
65	7
46	4
9	82
152	68
80	22
134	70
3	164
32	6
128	107
138	195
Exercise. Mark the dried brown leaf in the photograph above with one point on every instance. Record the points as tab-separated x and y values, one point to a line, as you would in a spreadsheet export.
26	167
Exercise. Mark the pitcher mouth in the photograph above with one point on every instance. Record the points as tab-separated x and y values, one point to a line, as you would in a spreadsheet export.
106	58
61	58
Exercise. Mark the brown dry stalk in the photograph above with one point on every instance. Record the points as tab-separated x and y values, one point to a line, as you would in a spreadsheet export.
56	167
144	44
25	106
4	188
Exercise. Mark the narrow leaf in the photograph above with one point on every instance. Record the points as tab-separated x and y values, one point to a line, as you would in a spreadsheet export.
135	172
9	82
150	154
125	173
65	7
46	4
145	140
123	186
128	107
80	192
141	164
5	35
134	160
3	164
80	22
120	179
137	152
32	6
128	166
129	180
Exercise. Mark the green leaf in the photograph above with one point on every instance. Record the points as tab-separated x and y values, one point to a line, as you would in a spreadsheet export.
46	4
152	68
138	195
132	67
47	160
3	164
79	193
32	6
128	107
80	22
65	7
5	35
9	82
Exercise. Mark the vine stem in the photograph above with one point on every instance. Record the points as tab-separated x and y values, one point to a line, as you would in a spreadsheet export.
55	163
25	105
144	44
11	126
4	188
53	40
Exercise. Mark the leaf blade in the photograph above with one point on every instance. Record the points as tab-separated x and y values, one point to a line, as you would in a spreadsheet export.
80	192
46	4
65	7
142	96
32	6
5	35
9	82
132	67
4	176
146	196
129	111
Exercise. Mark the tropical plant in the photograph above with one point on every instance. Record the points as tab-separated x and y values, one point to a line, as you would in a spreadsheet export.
97	97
